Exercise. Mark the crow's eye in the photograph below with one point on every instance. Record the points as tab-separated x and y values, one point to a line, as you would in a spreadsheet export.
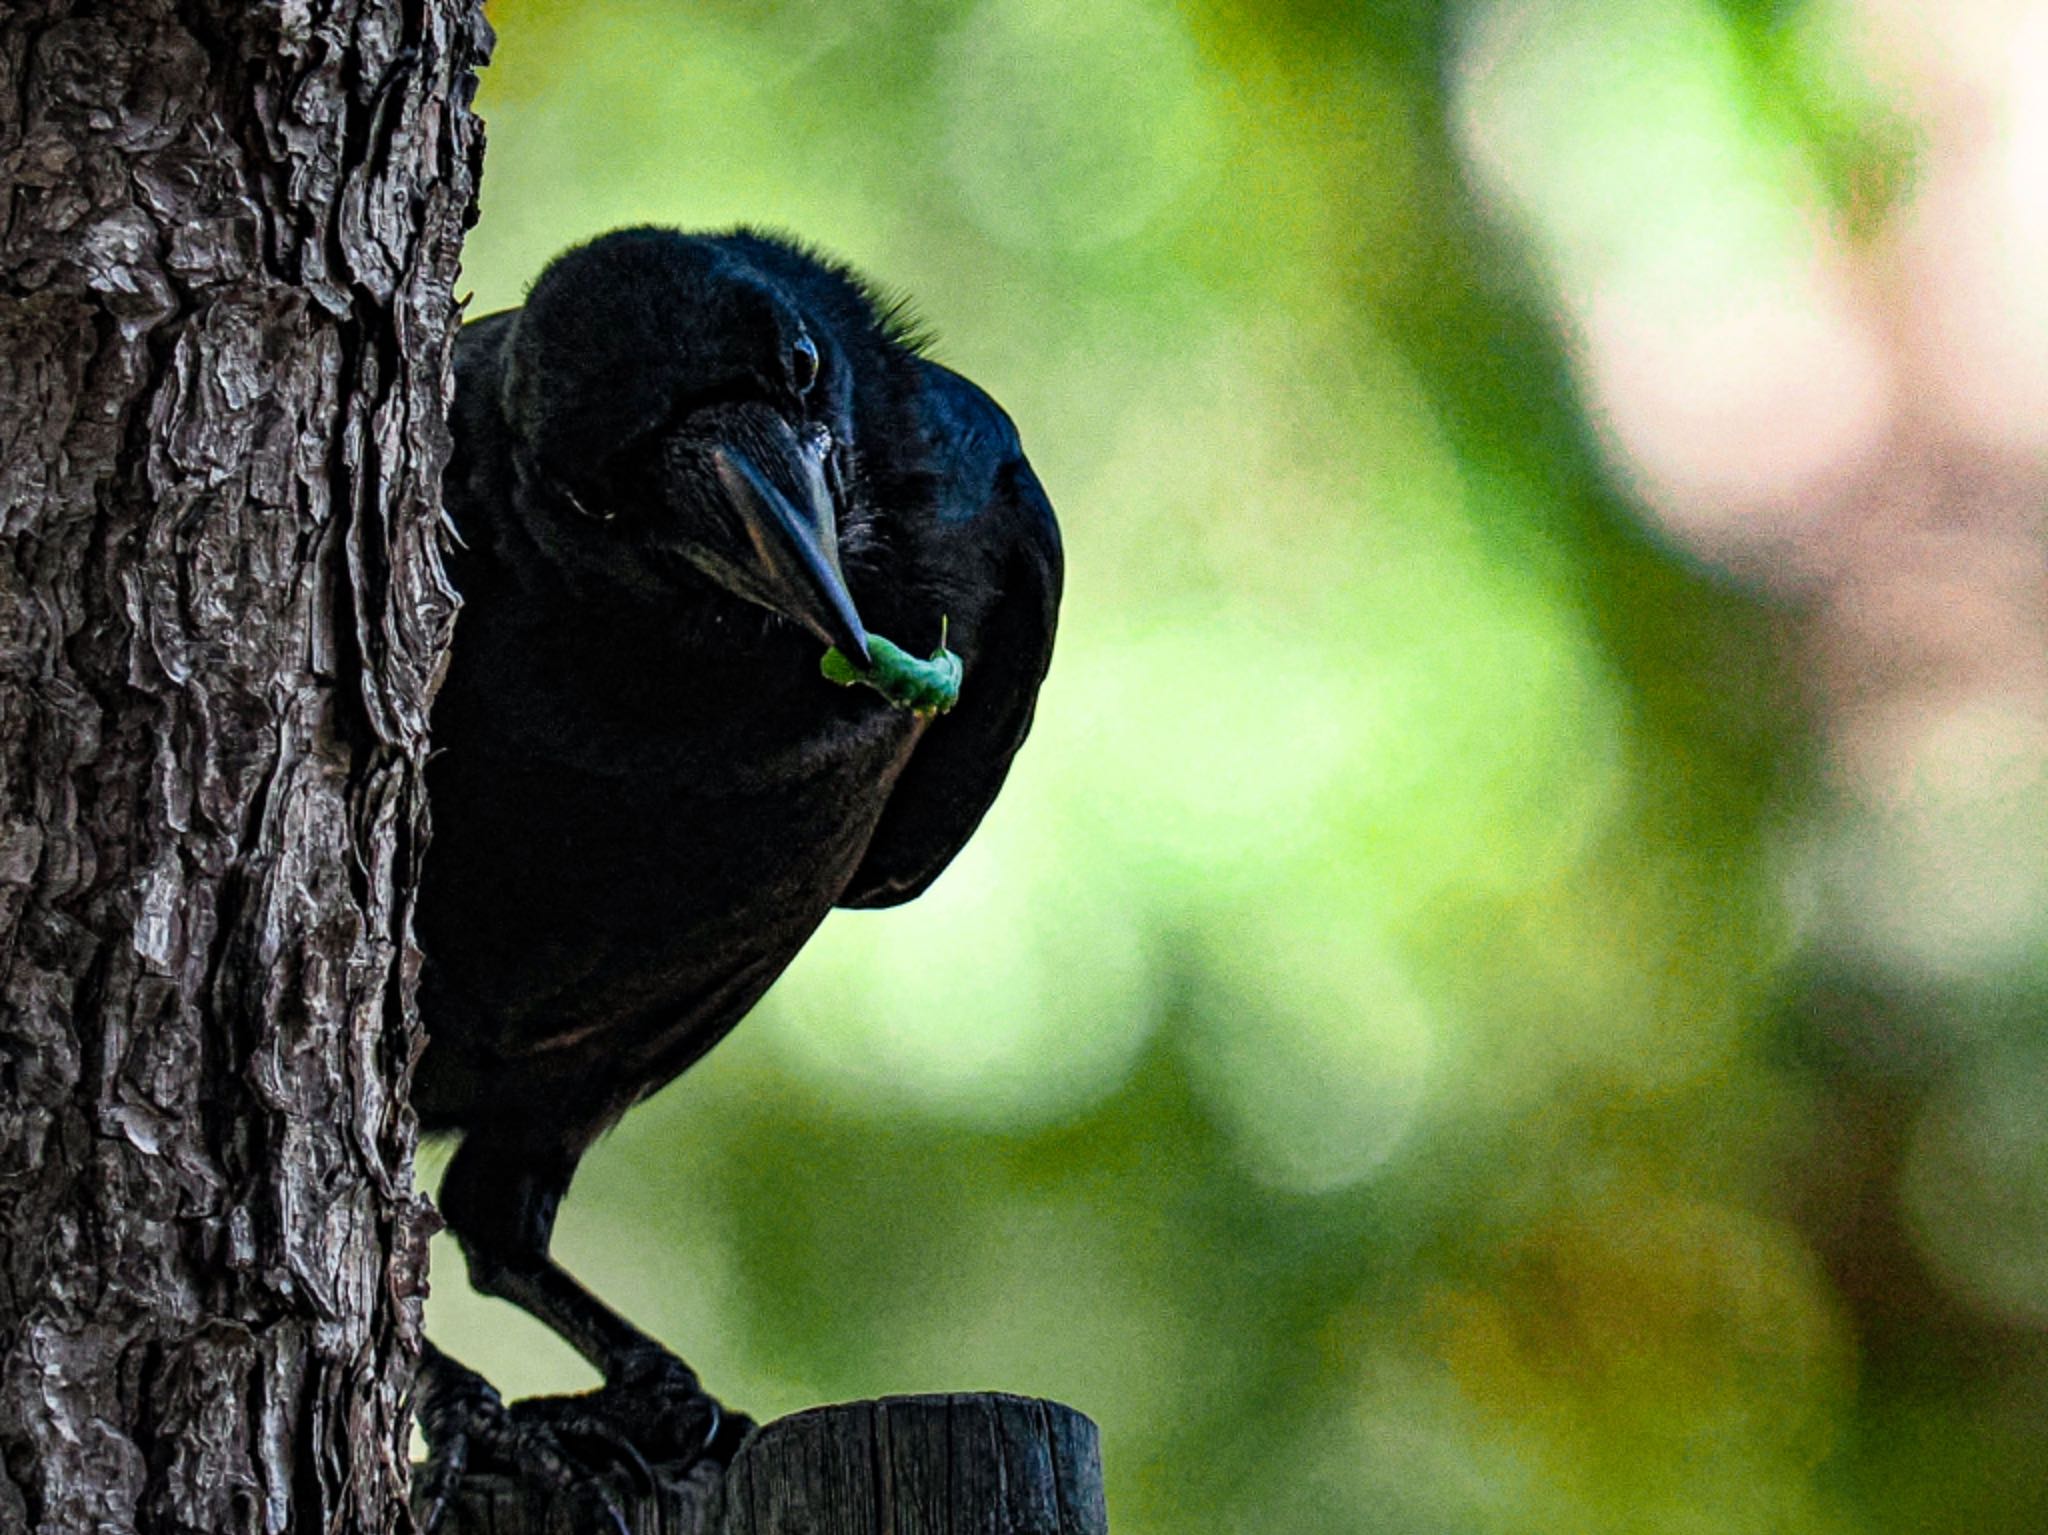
803	364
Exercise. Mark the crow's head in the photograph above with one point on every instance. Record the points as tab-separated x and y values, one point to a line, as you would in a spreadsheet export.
675	399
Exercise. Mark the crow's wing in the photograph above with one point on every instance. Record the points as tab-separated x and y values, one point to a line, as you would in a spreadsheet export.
992	512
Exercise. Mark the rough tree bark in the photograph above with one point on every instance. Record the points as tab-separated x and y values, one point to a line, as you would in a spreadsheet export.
228	236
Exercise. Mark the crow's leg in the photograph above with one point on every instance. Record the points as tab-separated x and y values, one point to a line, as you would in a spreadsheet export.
499	1198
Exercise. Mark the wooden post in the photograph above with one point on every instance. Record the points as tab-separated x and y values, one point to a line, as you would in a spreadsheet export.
985	1464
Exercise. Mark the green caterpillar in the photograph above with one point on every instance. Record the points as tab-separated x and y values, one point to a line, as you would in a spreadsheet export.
925	688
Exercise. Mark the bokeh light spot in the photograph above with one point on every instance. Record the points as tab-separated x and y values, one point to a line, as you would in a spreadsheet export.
1731	374
1010	994
1668	1364
1939	865
1317	1057
1975	1186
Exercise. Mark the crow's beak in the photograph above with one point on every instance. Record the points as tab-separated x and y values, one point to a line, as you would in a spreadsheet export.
797	546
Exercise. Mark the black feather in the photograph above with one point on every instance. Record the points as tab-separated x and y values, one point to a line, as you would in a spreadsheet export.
645	797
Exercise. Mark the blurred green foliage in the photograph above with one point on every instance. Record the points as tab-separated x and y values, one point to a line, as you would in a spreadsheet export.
1351	1061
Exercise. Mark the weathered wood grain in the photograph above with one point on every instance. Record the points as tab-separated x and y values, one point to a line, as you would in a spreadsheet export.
983	1464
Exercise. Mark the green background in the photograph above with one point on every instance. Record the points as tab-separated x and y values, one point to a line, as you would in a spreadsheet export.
1376	1058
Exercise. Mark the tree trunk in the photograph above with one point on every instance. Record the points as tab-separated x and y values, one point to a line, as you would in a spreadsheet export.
228	237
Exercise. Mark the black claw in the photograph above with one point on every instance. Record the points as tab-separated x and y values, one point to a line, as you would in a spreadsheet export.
729	1430
433	1490
592	1448
454	1401
541	1457
624	1454
601	1505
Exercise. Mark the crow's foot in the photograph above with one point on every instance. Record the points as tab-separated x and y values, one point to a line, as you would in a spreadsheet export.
469	1430
653	1410
644	1430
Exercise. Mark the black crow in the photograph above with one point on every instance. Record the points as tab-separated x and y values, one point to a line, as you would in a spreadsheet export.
683	469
